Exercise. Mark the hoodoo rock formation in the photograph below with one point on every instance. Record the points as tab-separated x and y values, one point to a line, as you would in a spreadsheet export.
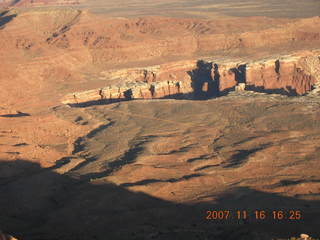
290	75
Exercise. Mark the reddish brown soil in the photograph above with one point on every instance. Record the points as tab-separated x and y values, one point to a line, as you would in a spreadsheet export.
143	170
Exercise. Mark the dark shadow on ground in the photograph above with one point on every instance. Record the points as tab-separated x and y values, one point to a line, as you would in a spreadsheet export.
4	19
18	114
39	203
3	12
203	84
97	102
289	91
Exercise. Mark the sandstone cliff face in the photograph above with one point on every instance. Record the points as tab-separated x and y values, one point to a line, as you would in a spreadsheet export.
128	91
225	75
311	65
290	75
284	74
295	75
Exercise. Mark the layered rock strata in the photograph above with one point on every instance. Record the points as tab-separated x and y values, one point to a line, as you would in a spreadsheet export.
311	65
290	75
128	91
284	74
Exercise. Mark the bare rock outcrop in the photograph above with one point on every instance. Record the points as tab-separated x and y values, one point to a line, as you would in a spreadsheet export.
311	64
240	87
130	90
285	74
224	74
289	75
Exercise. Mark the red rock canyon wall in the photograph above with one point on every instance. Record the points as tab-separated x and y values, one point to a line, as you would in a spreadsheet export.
287	74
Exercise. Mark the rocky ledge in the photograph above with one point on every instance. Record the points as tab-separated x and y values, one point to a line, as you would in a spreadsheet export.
288	75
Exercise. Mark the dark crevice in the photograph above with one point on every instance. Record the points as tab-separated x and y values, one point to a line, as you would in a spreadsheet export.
20	144
277	66
203	85
6	19
288	91
150	181
216	80
181	150
83	164
61	162
78	144
127	158
13	153
152	90
99	129
240	73
3	13
241	157
96	103
128	94
18	114
206	167
245	140
284	183
202	157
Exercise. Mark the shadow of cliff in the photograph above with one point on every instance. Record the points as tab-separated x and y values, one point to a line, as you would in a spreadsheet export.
288	91
240	73
4	19
38	203
203	84
3	12
18	114
98	102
